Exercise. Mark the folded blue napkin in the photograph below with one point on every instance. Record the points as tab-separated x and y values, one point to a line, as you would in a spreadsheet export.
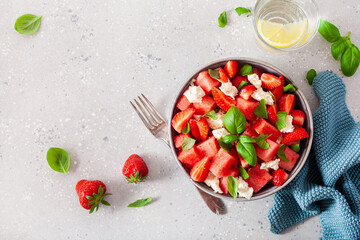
329	183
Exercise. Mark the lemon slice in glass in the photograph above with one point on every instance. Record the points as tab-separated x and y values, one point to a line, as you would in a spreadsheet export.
281	35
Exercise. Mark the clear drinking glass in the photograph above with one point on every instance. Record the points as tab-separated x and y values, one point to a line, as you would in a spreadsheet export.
285	25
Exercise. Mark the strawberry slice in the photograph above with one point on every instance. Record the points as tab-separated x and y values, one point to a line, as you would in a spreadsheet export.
270	81
203	127
286	103
279	177
246	92
298	117
278	91
272	113
181	119
200	170
194	128
223	76
223	101
297	134
231	68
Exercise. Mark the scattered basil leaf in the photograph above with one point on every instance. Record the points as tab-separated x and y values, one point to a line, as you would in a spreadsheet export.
281	153
230	138
58	159
222	19
214	74
27	24
280	120
246	69
212	114
272	95
260	141
234	120
246	149
140	202
226	146
260	110
243	173
311	74
186	129
232	186
242	85
295	147
187	144
328	31
289	88
339	47
350	60
242	10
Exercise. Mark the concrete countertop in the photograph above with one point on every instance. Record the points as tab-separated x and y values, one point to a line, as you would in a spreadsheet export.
70	84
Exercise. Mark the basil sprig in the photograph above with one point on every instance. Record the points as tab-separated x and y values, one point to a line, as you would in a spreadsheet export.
260	110
242	85
246	149
186	129
243	173
212	114
232	185
280	120
281	153
234	120
222	19
214	74
226	146
246	69
261	141
311	74
58	159
141	202
295	147
28	24
187	144
242	10
289	88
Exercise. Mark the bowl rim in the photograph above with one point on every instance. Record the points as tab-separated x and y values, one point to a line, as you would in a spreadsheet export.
301	161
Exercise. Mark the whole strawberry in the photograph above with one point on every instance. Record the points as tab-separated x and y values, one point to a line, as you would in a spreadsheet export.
91	194
135	169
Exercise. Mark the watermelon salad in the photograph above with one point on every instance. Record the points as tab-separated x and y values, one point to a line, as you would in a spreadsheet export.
237	130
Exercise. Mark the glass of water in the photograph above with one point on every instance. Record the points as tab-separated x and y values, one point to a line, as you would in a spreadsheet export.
285	25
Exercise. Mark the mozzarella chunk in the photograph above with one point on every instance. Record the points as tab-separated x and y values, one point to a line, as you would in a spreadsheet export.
213	182
229	89
243	189
270	165
259	94
254	80
194	94
289	127
221	132
219	122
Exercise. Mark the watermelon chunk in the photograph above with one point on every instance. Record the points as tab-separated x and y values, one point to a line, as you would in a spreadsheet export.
268	154
261	126
179	139
258	178
238	79
183	103
208	148
223	181
206	105
189	157
249	131
223	185
247	107
221	163
292	156
206	82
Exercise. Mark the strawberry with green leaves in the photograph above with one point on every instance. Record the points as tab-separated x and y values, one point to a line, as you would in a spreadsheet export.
135	169
91	194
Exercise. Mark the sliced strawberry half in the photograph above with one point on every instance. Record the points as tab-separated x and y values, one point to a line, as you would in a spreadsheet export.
297	134
223	101
231	68
278	91
298	117
270	81
246	92
194	128
200	170
272	113
181	119
286	103
279	177
203	127
223	76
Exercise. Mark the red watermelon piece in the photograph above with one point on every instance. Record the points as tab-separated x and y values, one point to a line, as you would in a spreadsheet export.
183	103
221	163
206	105
247	107
179	139
208	148
189	157
238	79
258	178
206	82
292	156
261	126
223	181
249	131
268	154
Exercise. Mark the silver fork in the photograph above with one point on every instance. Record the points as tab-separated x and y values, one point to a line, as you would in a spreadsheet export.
156	124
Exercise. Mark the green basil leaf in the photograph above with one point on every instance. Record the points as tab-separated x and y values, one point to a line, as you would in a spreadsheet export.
246	69
214	74
58	159
232	186
234	120
295	147
350	60
242	10
281	153
339	47
212	114
243	173
311	74
260	110
140	202
246	149
230	138
260	141
242	85
187	144
186	129
28	24
222	19
226	146
272	95
289	88
281	120
328	31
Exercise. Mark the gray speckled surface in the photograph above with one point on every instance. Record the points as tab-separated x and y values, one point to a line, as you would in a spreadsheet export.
69	86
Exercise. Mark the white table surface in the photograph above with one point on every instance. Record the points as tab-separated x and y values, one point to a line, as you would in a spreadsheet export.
70	84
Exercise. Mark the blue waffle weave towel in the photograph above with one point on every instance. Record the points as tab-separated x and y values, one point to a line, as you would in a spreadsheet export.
329	183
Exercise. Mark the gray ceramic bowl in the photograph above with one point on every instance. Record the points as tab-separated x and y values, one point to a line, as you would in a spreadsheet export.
301	104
